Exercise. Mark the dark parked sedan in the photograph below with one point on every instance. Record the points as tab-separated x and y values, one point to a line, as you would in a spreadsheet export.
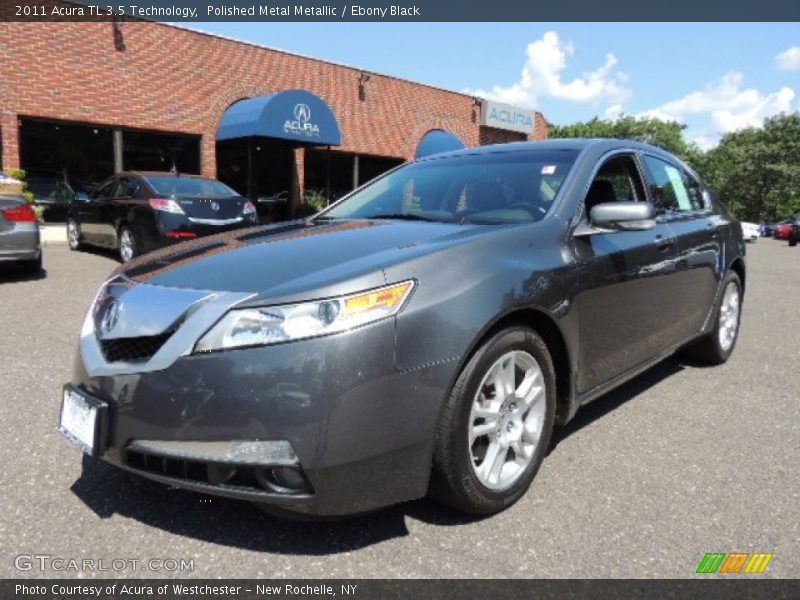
423	335
138	212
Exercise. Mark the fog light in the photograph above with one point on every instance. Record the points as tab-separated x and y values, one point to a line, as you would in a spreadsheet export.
219	474
284	480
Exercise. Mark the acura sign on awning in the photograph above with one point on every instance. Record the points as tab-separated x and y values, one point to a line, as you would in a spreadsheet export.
505	116
294	115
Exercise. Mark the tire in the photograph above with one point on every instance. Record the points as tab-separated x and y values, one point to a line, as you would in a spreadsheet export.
74	235
127	244
459	477
711	348
793	242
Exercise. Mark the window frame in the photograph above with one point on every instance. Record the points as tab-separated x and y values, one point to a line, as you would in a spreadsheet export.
582	215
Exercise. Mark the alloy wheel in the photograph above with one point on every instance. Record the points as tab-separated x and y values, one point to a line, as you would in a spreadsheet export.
729	316
73	234
127	245
506	420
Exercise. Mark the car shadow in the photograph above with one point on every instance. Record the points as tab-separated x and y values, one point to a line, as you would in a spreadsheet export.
109	491
100	251
14	274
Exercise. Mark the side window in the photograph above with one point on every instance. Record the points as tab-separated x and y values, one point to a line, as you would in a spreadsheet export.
617	181
672	189
126	188
105	190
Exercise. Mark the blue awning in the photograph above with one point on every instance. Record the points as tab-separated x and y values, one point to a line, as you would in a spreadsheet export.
295	115
437	141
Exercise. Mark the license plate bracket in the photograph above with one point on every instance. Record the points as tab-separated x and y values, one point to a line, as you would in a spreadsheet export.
82	420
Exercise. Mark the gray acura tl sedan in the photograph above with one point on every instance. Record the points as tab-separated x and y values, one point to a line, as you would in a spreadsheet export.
423	335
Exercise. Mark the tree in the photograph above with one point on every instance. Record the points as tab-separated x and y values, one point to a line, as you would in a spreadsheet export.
757	171
664	134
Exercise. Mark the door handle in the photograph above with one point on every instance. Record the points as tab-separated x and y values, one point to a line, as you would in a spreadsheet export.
663	242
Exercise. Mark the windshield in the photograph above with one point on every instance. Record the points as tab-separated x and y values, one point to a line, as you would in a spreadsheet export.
504	187
189	186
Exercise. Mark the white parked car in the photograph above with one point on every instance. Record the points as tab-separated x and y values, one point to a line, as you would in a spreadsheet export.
750	231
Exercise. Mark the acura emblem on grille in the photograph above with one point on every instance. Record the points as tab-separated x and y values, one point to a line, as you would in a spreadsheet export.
215	206
110	317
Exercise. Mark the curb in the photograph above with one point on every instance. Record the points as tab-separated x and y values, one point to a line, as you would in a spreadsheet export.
52	235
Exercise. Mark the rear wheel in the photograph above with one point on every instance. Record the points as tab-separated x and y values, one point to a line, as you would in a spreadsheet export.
73	234
496	424
717	347
128	248
793	242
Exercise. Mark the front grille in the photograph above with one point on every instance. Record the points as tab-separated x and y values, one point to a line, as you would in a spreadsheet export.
172	467
134	348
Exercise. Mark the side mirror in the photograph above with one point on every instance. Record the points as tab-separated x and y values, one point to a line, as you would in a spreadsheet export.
627	216
83	196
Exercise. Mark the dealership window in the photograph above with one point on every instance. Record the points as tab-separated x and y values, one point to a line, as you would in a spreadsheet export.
370	167
347	171
56	152
79	156
148	151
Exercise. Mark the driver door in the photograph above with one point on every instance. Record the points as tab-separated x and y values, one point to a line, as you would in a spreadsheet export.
626	283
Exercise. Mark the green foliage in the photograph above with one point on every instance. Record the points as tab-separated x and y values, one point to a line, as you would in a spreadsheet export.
315	201
20	175
664	134
756	172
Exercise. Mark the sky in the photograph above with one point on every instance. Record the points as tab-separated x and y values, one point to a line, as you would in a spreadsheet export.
713	77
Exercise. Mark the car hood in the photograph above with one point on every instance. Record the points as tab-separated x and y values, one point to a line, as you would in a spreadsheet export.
281	260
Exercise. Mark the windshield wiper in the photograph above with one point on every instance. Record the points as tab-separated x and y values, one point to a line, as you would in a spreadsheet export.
405	217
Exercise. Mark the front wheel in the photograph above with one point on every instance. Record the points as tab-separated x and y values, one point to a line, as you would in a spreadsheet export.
717	346
496	424
128	248
793	242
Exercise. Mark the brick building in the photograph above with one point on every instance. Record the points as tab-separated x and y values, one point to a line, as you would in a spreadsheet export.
82	100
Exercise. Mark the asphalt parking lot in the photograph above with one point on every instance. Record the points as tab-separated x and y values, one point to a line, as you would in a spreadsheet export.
681	461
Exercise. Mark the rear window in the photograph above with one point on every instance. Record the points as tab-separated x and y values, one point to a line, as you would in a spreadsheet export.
503	187
190	186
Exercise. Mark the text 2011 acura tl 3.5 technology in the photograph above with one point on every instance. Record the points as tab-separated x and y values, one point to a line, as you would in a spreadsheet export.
421	336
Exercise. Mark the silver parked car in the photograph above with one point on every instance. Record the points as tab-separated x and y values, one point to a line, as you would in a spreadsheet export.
19	234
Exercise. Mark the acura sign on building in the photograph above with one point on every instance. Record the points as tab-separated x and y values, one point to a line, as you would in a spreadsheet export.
505	116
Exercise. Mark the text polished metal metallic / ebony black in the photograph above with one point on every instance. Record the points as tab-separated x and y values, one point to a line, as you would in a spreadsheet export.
424	335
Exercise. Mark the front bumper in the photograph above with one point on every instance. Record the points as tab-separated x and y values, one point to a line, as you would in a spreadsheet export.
363	432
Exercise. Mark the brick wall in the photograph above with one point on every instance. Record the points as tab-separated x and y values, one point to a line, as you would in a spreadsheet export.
155	76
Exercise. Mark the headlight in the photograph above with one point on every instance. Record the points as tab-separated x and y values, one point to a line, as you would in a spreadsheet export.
275	324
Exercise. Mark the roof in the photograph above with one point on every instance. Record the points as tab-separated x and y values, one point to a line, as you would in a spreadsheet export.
577	144
163	174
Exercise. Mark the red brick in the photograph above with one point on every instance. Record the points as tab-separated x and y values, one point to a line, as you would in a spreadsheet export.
173	79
